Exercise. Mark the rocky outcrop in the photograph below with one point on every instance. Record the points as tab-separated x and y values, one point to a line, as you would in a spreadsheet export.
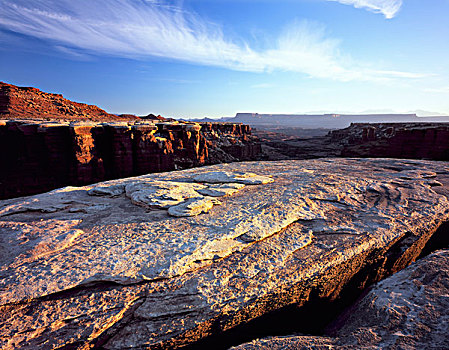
18	102
406	311
386	140
46	155
414	140
114	266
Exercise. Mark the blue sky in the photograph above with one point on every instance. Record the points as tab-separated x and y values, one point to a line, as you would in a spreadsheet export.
197	58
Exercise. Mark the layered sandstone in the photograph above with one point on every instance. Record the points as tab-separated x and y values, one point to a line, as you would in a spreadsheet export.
45	155
114	266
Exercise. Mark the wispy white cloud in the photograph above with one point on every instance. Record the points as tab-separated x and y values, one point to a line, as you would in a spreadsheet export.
441	89
389	8
153	28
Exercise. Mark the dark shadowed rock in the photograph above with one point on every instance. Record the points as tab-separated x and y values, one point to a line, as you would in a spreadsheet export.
409	310
413	140
100	266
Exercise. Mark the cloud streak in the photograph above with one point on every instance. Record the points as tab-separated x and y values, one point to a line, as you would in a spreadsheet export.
141	29
389	8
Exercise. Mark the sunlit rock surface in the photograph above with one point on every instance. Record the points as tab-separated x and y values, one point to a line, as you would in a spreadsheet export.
95	266
406	311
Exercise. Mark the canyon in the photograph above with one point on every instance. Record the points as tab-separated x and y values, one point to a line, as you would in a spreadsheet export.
330	120
378	140
44	156
81	144
164	234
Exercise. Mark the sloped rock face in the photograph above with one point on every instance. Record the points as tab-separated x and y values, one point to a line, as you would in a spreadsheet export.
31	103
406	311
43	156
89	266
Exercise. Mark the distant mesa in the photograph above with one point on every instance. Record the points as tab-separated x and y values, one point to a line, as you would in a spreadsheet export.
327	121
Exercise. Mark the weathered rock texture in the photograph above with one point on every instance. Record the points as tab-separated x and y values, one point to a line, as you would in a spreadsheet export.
387	140
39	156
89	266
31	103
409	310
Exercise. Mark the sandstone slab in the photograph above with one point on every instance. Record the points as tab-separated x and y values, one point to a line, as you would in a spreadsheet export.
85	270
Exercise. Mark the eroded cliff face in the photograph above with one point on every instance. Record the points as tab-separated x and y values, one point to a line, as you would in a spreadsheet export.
381	140
166	260
42	156
394	140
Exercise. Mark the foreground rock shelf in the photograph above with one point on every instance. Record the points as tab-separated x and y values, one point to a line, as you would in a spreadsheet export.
107	266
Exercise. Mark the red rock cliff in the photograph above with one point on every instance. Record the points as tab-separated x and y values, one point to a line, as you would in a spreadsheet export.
42	155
